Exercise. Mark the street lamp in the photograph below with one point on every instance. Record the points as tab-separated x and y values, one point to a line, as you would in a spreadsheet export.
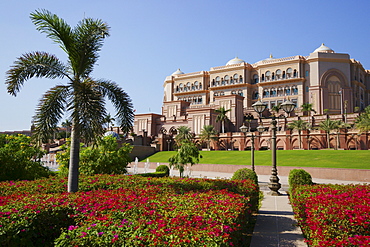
244	130
259	107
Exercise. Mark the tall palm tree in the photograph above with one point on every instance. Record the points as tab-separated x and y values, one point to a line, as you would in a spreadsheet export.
328	125
183	134
222	117
208	134
307	108
299	125
82	96
362	122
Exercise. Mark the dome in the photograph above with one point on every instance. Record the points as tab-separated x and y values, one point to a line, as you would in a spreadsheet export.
269	58
235	60
112	133
324	49
178	72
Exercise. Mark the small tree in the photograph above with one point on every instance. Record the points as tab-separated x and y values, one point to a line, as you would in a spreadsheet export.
299	125
362	122
183	134
327	126
307	108
188	153
222	117
208	134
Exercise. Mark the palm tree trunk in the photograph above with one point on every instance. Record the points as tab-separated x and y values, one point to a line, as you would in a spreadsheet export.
328	139
223	126
74	160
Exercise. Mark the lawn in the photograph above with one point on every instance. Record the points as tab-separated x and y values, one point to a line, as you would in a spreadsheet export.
354	159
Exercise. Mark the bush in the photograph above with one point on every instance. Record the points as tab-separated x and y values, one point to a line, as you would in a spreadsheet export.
245	173
163	168
106	158
19	160
299	177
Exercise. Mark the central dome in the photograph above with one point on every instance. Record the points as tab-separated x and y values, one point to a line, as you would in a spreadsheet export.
235	60
324	49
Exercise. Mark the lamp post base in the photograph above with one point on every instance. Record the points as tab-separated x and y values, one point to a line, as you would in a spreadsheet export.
274	186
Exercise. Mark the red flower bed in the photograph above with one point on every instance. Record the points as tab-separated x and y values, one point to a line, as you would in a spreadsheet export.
127	211
333	215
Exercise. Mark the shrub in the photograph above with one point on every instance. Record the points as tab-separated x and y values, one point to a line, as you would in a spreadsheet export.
163	168
19	160
106	158
245	173
299	177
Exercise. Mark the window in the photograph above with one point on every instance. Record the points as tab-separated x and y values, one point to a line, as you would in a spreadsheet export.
268	73
240	92
273	92
196	85
266	93
278	74
295	73
240	79
226	80
263	77
287	91
233	92
255	79
188	86
255	95
289	72
181	87
192	87
218	81
295	91
284	76
273	76
200	86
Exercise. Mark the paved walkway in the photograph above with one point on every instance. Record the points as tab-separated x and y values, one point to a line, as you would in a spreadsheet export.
275	224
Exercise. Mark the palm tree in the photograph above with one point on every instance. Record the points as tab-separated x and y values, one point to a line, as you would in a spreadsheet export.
208	134
83	97
222	117
307	109
299	125
67	125
362	122
183	134
328	125
109	120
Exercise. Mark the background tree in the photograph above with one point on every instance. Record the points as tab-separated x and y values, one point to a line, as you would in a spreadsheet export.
67	125
307	108
222	117
328	125
82	96
188	153
362	122
248	118
298	125
109	120
183	134
208	134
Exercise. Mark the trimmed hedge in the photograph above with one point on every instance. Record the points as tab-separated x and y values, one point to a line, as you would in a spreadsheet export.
245	173
299	177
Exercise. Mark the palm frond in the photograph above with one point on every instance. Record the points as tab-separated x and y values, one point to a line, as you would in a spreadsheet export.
35	64
88	110
121	101
89	36
54	27
49	112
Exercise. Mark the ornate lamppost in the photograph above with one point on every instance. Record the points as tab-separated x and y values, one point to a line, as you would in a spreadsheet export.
260	107
244	130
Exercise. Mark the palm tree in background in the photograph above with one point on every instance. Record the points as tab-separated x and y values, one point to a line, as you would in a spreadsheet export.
82	96
328	125
362	121
208	134
108	120
183	134
299	125
222	117
307	108
67	125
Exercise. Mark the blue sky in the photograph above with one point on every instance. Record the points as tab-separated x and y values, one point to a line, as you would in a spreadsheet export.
152	39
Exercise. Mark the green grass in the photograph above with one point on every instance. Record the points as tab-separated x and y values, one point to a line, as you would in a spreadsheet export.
353	159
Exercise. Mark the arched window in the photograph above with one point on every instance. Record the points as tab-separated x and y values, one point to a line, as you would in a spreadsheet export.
218	79
200	86
188	86
240	79
240	92
263	77
289	72
280	91
233	92
273	76
278	74
284	76
268	74
192	87
216	94
273	92
196	85
226	80
295	90
255	79
295	74
287	91
255	95
181	87
222	93
266	93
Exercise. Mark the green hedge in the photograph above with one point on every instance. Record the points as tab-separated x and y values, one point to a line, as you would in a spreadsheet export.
245	173
299	177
